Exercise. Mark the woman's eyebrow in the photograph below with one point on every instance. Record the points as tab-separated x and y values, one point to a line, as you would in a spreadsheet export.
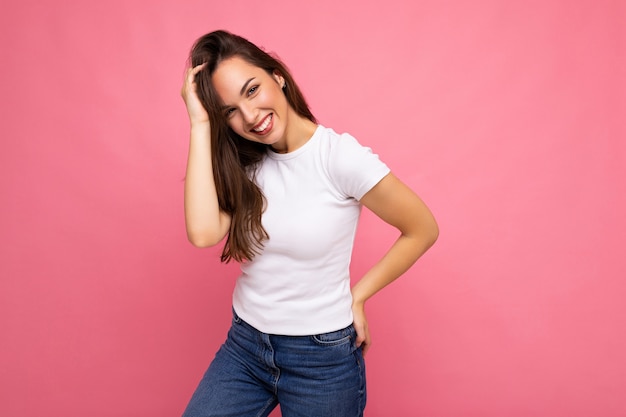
243	89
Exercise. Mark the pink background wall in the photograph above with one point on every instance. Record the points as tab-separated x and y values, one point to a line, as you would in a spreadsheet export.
506	117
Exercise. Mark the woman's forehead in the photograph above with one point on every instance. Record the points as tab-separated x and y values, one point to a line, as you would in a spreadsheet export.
235	68
232	75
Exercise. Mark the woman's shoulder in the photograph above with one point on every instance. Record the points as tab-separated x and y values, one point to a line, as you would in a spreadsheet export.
337	142
352	167
341	146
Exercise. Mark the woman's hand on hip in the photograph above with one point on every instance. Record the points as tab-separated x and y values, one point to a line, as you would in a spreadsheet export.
363	339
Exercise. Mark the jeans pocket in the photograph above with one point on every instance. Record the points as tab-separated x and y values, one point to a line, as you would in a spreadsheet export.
338	337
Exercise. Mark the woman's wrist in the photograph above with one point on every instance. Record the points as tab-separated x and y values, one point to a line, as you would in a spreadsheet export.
199	124
357	301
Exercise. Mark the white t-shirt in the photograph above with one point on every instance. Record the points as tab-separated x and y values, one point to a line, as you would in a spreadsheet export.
300	284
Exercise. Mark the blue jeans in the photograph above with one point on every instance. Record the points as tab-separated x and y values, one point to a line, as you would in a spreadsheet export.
309	376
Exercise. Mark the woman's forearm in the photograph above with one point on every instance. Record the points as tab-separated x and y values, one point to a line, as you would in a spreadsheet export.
401	256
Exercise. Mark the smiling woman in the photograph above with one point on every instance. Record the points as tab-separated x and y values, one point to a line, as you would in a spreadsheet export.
259	111
286	193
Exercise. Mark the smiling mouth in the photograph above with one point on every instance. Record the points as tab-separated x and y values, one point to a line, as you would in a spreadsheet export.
264	126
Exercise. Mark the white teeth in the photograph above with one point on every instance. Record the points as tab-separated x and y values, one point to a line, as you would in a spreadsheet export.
265	124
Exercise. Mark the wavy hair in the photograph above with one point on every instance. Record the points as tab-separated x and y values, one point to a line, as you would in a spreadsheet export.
234	158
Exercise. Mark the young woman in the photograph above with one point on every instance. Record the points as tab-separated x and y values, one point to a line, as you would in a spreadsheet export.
286	193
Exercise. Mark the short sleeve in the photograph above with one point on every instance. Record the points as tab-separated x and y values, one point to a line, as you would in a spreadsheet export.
354	169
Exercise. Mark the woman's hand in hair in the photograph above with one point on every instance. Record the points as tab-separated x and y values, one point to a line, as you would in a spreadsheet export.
195	109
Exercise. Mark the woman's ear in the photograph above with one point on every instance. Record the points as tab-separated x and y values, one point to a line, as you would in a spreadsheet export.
279	79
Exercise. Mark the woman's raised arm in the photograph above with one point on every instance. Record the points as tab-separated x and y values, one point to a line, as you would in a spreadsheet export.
206	223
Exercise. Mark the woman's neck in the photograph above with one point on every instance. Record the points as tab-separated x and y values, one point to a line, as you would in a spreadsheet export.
299	131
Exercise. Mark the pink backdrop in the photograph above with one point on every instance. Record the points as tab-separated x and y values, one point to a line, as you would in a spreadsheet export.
506	117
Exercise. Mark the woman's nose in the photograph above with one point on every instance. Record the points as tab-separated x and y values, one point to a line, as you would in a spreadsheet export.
249	114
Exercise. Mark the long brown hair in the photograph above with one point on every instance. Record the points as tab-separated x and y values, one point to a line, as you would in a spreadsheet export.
234	158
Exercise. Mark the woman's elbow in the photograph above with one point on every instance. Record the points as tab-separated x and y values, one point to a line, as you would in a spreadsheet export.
429	232
433	233
203	240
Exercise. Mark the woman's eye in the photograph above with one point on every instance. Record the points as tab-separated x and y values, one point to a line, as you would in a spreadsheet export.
253	90
229	112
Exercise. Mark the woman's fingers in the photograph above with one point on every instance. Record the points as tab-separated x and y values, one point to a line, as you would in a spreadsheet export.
363	339
196	111
190	78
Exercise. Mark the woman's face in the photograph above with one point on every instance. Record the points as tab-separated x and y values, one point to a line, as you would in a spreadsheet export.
254	104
